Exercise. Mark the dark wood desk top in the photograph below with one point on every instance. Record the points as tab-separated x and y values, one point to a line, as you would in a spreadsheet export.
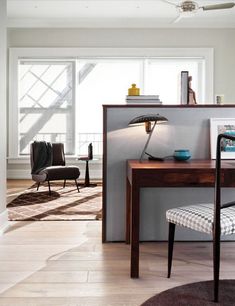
172	164
171	173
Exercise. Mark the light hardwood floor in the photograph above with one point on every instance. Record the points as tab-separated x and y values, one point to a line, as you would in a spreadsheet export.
65	263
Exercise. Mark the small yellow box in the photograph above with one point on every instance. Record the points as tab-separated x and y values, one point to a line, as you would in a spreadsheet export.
133	91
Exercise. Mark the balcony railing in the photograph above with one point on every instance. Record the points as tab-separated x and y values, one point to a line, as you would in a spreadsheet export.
82	142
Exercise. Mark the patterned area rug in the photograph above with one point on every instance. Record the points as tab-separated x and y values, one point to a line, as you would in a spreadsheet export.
63	203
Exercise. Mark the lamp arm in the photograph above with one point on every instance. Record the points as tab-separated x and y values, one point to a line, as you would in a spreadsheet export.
147	142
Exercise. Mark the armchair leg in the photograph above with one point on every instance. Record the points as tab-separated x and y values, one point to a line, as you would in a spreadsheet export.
170	246
216	265
49	187
64	183
77	185
38	186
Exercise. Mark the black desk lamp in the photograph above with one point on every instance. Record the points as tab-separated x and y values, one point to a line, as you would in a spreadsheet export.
150	122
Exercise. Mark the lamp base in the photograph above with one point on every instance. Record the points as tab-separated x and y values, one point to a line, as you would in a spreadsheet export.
151	157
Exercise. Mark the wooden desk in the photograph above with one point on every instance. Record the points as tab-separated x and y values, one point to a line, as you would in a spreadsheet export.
192	173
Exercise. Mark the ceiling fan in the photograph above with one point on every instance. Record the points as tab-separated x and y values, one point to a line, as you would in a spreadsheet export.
187	8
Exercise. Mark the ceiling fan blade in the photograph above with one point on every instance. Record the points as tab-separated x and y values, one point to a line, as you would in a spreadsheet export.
218	6
177	19
169	2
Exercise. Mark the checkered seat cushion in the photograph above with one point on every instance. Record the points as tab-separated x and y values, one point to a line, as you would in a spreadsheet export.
200	218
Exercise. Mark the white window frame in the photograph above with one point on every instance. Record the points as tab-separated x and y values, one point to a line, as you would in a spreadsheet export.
15	54
73	111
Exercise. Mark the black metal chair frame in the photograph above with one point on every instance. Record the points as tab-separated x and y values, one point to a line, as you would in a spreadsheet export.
216	227
49	185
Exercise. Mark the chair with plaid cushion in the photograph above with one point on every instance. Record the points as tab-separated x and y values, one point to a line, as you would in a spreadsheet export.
213	218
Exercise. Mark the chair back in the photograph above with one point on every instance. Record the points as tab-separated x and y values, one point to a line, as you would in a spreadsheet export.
90	151
58	154
217	202
31	156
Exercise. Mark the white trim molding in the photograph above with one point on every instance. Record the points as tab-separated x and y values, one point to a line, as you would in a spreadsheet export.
4	223
95	170
3	104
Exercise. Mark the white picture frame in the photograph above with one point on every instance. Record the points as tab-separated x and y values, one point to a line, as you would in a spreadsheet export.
220	126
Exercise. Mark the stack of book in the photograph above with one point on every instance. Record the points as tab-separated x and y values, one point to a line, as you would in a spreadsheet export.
144	99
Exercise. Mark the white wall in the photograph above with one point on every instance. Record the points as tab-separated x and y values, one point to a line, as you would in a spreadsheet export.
222	40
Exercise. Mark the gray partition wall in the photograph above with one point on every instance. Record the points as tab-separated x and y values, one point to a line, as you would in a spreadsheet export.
188	127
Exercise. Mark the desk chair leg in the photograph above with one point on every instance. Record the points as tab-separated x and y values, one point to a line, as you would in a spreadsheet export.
64	183
77	185
49	187
216	265
38	186
170	246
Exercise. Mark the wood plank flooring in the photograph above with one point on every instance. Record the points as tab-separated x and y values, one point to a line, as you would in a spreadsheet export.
64	263
16	187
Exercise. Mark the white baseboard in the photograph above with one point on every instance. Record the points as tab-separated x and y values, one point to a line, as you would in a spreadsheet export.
4	223
18	174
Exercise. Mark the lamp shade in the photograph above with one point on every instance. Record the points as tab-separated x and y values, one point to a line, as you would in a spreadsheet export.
150	122
148	118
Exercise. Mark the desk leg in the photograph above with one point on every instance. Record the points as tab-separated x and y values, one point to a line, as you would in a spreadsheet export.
135	224
128	210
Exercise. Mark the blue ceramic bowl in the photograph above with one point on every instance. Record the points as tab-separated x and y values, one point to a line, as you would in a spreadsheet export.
182	154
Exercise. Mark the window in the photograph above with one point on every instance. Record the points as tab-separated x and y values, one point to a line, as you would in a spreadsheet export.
101	82
60	98
163	76
46	103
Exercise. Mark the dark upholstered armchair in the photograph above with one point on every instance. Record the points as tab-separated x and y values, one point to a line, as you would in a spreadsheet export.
48	164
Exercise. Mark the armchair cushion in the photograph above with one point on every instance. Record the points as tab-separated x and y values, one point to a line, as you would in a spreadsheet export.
61	173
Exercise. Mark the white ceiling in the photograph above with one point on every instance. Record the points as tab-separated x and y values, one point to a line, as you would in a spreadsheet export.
114	14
